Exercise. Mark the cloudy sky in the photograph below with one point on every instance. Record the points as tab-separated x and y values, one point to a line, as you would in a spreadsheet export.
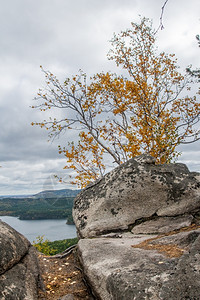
64	36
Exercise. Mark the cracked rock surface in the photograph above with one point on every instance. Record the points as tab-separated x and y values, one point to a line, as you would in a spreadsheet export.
139	229
136	190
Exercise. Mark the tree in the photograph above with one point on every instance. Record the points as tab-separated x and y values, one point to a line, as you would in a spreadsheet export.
119	117
195	73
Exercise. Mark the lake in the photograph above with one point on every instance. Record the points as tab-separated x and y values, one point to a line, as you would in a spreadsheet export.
51	229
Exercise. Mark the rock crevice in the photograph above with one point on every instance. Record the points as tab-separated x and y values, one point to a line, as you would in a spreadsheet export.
137	226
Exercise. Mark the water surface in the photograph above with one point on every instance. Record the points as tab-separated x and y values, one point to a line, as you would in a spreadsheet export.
51	229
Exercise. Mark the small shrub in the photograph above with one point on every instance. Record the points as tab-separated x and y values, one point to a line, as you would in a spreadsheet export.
43	246
51	248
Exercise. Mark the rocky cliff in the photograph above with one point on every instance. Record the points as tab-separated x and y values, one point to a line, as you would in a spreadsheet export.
139	229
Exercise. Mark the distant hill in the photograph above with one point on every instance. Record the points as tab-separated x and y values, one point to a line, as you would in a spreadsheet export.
15	196
52	204
57	193
46	194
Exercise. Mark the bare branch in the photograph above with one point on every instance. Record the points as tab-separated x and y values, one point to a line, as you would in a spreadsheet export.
161	26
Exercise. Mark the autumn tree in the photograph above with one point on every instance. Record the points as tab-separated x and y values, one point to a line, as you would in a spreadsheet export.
147	109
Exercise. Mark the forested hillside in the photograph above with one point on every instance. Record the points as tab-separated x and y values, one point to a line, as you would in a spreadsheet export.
44	205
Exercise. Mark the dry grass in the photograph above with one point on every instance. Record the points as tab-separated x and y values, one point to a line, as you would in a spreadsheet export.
170	250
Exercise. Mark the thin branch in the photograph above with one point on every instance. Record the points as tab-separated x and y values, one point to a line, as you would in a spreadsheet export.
161	26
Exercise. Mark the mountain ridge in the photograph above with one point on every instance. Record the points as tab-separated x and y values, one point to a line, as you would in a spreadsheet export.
46	194
58	193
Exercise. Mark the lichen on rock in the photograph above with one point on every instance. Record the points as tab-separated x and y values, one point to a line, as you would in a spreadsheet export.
19	268
139	229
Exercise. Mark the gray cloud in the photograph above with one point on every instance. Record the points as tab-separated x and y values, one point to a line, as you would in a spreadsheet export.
65	36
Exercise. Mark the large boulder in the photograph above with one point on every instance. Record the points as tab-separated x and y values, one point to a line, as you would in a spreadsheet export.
135	191
19	269
143	267
139	229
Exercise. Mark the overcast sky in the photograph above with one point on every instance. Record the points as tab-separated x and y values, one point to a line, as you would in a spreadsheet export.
64	36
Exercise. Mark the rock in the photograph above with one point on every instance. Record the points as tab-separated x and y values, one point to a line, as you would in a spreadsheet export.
163	225
182	239
13	246
130	268
103	257
139	229
136	191
19	269
184	283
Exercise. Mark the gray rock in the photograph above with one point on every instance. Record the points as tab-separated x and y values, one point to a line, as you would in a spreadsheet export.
184	283
182	239
137	190
136	216
163	225
20	275
117	271
13	246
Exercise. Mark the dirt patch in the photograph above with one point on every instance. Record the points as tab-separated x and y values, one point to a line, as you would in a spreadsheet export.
63	276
